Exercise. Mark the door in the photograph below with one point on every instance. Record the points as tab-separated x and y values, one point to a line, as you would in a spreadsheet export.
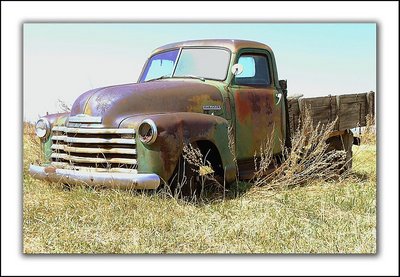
258	105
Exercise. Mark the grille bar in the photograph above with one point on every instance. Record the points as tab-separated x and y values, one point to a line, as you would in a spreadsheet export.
93	140
94	148
85	125
92	160
93	131
66	165
84	118
67	148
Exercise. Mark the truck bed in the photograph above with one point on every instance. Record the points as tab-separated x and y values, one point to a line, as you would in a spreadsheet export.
350	109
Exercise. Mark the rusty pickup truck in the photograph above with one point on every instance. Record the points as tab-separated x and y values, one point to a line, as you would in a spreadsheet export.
192	92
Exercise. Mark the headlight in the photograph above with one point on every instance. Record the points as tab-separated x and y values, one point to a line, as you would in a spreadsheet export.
42	128
147	131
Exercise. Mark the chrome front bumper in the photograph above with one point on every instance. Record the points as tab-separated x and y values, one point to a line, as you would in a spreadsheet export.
106	179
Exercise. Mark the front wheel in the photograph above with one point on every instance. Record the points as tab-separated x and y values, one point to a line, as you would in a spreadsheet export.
186	181
194	173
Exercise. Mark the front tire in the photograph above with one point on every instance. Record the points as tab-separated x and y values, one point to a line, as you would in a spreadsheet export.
186	181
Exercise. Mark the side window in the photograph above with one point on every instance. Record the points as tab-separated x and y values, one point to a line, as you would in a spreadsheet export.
255	70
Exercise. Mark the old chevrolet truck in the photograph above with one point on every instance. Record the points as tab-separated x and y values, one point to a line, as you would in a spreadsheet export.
204	93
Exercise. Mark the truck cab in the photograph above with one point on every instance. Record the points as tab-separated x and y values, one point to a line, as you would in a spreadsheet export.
222	96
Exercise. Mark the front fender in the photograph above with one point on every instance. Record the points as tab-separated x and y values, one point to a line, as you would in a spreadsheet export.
58	119
175	130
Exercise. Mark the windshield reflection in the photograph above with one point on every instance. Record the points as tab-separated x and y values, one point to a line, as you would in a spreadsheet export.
199	63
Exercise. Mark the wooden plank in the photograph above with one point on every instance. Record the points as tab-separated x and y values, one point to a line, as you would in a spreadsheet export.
352	110
322	109
294	113
371	103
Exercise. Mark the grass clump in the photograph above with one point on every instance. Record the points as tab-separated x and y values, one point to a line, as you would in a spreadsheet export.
309	158
368	134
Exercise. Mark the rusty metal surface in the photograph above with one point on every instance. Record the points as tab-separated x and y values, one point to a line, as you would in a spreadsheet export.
176	129
257	117
116	103
103	179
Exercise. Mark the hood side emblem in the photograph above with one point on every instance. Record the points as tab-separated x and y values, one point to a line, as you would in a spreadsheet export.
212	108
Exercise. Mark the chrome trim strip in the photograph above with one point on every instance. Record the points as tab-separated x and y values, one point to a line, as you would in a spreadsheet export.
107	179
67	148
66	165
92	160
93	131
48	128
84	118
153	126
57	138
84	125
93	140
176	62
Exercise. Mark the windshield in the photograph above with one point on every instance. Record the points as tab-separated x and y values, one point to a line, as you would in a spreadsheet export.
160	65
208	63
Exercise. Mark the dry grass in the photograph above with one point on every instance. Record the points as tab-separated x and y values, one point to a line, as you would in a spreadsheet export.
368	134
200	178
33	153
322	217
307	160
63	106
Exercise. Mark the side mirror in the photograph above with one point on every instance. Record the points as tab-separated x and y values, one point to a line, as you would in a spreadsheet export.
237	69
283	84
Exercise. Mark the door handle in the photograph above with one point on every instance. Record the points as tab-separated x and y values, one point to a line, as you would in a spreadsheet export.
278	98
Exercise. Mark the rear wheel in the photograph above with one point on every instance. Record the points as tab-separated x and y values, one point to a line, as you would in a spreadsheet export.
343	142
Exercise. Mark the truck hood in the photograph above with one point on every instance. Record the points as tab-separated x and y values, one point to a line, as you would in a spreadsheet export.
115	103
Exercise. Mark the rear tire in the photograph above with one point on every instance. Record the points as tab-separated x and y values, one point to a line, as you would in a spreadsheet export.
343	142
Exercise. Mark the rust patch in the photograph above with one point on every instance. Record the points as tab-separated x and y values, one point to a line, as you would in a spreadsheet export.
268	107
165	96
255	101
50	169
197	102
243	107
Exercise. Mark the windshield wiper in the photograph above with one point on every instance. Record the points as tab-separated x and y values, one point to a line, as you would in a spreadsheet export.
158	78
191	77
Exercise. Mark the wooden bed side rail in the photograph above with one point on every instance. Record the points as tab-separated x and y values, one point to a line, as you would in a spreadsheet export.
350	110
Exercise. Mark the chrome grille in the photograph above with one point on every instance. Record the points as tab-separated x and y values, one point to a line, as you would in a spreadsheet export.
95	149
